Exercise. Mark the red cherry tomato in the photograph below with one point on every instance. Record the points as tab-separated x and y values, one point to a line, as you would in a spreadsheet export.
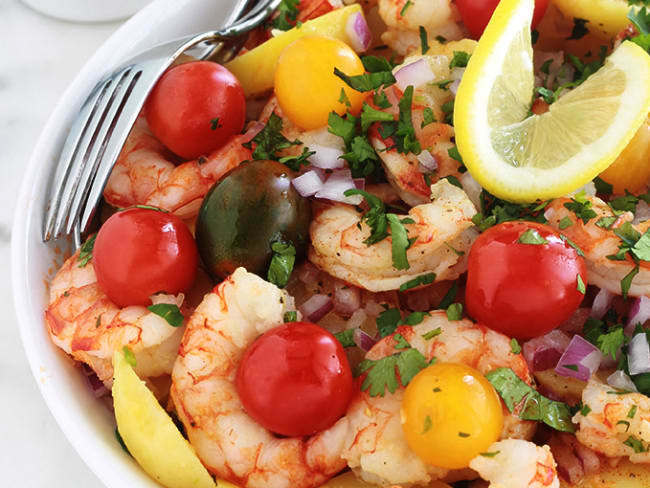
139	252
295	379
195	107
523	290
477	13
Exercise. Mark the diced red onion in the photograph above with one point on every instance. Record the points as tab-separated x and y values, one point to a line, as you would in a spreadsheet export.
359	35
335	187
639	313
360	183
414	74
638	354
96	385
363	340
316	307
307	273
347	298
544	352
575	323
618	379
581	354
308	184
373	308
642	212
602	302
326	157
426	159
472	188
589	459
453	88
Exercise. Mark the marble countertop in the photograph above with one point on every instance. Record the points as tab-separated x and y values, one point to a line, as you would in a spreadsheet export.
35	69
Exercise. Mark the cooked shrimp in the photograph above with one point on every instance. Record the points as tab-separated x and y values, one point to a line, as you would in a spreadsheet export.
618	424
145	173
376	448
517	464
598	242
438	17
443	229
83	322
230	443
403	170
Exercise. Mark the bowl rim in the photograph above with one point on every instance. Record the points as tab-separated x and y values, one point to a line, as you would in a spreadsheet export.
142	30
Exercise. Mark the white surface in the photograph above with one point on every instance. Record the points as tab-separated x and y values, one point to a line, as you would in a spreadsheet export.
35	69
88	10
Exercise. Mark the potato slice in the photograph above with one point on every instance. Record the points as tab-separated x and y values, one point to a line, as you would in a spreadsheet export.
256	68
624	475
151	436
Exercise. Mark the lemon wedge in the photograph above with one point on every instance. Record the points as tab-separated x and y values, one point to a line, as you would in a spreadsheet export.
151	436
523	158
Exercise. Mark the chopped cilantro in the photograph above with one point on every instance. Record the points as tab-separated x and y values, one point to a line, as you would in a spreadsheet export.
129	357
294	162
382	373
605	222
375	217
406	6
343	98
635	444
585	410
399	242
632	412
371	115
625	203
455	154
388	321
86	251
367	81
214	124
290	316
404	137
460	59
346	338
580	206
424	40
443	85
490	454
281	266
270	140
453	180
381	100
449	297
400	342
424	279
432	333
448	109
427	117
287	13
515	347
527	403
463	434
427	425
580	286
572	367
611	342
624	422
531	236
602	186
565	222
626	282
579	28
549	96
169	312
375	64
441	39
455	311
456	251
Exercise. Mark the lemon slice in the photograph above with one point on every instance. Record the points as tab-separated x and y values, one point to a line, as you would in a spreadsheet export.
151	436
523	158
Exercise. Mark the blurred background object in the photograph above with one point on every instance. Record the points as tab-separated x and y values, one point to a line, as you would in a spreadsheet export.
87	10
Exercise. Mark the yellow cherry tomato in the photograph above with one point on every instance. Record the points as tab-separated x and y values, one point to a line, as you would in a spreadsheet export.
305	84
450	414
631	170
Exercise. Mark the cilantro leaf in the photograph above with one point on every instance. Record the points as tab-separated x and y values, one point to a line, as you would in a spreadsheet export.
294	162
602	186
86	251
375	218
455	311
169	312
376	64
580	285
432	333
405	138
453	180
460	59
371	115
346	338
381	100
214	124
549	96
344	128
400	242
527	403
367	81
449	297
381	374
387	321
641	248
287	13
635	444
626	282
580	206
401	342
270	140
290	316
640	19
611	342
129	356
566	222
515	347
531	236
427	117
424	40
424	279
406	6
284	257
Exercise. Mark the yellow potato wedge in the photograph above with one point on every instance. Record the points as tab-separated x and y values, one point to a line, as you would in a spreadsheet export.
256	68
349	480
606	17
151	436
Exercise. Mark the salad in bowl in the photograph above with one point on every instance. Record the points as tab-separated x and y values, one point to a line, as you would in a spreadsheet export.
391	243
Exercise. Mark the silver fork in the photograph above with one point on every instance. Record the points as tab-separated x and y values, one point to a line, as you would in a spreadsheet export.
108	114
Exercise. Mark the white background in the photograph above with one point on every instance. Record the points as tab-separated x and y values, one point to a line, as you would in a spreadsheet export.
39	57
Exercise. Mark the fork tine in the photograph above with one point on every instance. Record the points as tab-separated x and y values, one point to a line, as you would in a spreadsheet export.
121	127
119	97
77	132
82	152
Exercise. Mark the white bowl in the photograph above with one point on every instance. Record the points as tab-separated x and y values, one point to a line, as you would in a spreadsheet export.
86	422
87	10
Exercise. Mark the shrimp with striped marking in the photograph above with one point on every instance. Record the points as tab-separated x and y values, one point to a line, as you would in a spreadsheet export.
443	228
83	322
404	19
517	463
229	442
146	174
376	447
598	241
615	423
